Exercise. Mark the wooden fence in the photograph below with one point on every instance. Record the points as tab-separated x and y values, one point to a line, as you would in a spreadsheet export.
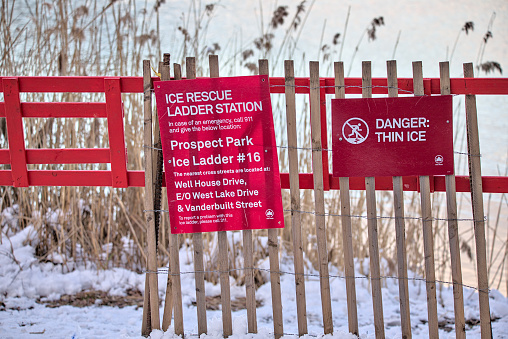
320	180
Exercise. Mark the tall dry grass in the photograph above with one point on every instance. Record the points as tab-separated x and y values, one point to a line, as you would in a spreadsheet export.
104	226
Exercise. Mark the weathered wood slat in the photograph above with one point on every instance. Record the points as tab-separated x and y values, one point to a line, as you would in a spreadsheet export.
164	69
475	174
250	287
370	188
428	238
273	253
175	259
153	291
400	225
227	323
347	234
317	170
294	186
453	228
197	242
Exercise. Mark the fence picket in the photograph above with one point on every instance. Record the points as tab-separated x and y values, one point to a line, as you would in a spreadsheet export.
475	174
347	235
294	186
428	238
273	253
175	258
164	69
317	170
146	325
227	325
400	226
151	275
250	287
168	301
176	284
197	241
453	227
370	188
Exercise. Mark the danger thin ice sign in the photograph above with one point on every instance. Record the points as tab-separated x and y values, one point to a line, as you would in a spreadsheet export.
220	156
392	136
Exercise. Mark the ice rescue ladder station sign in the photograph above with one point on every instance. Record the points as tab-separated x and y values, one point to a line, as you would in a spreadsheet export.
220	156
392	136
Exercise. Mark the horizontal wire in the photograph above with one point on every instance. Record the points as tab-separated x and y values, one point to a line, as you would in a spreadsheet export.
468	154
317	149
366	217
330	150
272	333
386	217
345	86
151	147
314	275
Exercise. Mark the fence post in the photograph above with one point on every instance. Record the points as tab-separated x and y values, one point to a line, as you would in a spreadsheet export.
317	173
294	186
400	225
175	259
370	187
428	238
158	162
475	175
453	227
347	235
146	325
168	301
153	289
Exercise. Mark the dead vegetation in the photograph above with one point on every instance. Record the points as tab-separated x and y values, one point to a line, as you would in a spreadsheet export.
97	298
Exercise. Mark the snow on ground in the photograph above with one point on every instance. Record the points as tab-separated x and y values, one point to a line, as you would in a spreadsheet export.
23	280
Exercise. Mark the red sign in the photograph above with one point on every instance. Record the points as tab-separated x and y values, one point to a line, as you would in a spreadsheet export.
220	155
392	136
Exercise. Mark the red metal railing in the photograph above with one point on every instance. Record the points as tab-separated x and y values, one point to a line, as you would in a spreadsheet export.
14	110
